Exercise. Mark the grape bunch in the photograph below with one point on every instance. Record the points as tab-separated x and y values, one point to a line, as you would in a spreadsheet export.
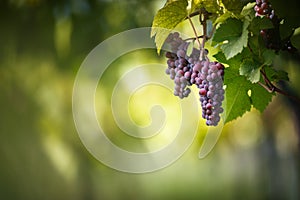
271	37
188	70
209	80
179	67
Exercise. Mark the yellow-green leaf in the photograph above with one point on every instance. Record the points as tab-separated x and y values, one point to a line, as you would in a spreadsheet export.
166	19
211	6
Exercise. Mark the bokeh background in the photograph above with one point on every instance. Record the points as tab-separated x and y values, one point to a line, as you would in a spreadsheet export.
42	45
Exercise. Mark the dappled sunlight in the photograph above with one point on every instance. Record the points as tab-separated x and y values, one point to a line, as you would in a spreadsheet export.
61	156
63	30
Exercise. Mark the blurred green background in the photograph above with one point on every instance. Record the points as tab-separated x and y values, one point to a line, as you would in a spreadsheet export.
42	45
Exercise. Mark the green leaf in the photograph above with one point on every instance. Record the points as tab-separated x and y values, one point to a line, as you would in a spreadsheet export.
211	6
258	24
234	6
250	69
280	75
233	35
248	11
268	56
237	100
234	62
221	58
195	5
260	97
295	39
243	62
276	75
166	19
255	45
259	51
231	28
223	17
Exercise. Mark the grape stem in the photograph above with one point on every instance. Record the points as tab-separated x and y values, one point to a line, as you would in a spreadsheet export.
195	32
193	14
201	36
193	38
203	14
270	87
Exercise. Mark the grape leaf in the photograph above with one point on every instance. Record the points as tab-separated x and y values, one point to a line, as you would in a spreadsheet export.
260	97
233	35
251	69
211	6
248	12
295	39
166	19
243	62
276	75
259	51
231	28
223	17
234	63
234	6
268	56
258	24
237	100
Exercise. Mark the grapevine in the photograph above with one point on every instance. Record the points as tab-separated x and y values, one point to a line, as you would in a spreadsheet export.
246	38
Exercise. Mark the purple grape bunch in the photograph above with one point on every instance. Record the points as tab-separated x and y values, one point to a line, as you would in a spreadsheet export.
179	67
271	36
209	80
188	70
264	8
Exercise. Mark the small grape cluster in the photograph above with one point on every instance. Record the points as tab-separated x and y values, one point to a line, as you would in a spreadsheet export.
264	8
271	37
188	70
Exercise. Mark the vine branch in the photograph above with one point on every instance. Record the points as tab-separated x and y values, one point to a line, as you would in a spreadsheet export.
270	87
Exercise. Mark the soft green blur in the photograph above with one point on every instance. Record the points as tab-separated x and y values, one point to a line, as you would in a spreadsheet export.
43	44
